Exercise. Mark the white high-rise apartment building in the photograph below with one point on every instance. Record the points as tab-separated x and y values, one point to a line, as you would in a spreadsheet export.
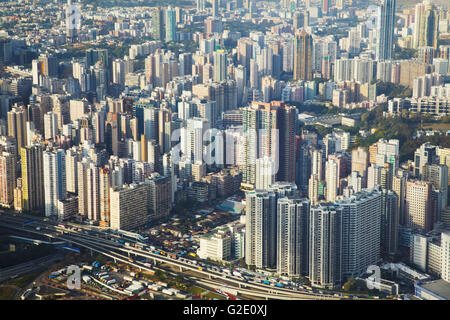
150	123
385	30
363	70
325	245
313	189
317	164
82	186
332	179
361	231
78	69
192	139
323	48
54	180
355	181
93	192
35	70
50	125
72	159
292	236
128	206
388	151
254	74
260	229
343	70
118	71
265	174
418	205
220	65
418	251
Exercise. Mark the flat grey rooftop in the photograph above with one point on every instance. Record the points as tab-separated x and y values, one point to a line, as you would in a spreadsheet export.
439	287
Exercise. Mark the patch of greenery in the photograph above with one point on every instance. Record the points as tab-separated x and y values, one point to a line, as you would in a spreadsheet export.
212	295
180	282
408	148
120	51
350	285
385	128
160	275
180	47
404	53
195	290
393	90
317	109
24	280
337	32
353	286
319	129
399	127
6	293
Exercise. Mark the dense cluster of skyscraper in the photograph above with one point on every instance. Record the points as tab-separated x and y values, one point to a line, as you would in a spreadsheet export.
119	141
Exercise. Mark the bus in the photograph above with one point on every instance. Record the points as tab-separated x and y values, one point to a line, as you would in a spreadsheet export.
132	235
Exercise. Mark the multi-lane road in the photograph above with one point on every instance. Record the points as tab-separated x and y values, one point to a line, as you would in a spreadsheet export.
101	242
27	267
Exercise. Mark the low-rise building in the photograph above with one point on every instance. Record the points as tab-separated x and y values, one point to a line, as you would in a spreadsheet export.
224	243
216	245
433	290
199	191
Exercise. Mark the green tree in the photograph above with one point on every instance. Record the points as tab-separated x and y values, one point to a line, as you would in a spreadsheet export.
350	285
160	275
181	282
404	53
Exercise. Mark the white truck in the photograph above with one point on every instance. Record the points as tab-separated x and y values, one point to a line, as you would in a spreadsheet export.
127	278
87	267
237	274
